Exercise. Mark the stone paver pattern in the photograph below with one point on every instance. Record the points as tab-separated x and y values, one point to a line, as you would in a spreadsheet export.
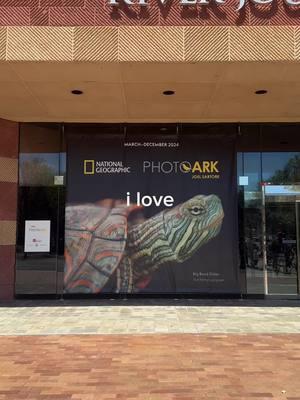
150	367
53	320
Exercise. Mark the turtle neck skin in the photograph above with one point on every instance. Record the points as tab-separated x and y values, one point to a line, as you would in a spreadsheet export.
173	235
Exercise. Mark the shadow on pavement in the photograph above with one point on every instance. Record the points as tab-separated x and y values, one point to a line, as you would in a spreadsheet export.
144	302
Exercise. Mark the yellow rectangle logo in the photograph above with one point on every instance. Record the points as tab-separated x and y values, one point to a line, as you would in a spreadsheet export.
89	167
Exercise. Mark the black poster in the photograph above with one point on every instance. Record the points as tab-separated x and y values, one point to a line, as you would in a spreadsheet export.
151	215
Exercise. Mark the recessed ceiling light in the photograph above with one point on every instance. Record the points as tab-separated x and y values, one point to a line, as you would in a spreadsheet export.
261	91
76	91
168	92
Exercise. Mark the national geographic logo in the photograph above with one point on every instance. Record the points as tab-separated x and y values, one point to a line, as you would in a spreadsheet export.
206	169
89	167
93	167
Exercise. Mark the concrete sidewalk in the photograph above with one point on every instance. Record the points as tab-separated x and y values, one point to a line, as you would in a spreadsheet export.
64	319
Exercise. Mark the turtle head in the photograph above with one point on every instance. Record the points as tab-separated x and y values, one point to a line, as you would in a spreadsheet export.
191	224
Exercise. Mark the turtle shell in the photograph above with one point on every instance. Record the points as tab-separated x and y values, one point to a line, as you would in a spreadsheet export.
95	240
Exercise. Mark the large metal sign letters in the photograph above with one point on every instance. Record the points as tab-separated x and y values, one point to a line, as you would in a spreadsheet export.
240	3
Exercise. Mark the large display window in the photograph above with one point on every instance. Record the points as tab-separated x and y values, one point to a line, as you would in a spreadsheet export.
189	209
151	213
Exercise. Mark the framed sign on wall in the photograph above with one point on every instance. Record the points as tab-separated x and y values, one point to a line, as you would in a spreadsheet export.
37	236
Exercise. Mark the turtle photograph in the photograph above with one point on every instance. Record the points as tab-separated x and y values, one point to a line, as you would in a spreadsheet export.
109	241
147	220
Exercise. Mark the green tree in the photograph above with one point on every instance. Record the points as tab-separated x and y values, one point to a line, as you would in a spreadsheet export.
290	173
36	172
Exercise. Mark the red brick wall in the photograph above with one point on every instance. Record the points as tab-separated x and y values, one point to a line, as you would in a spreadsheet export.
9	137
98	12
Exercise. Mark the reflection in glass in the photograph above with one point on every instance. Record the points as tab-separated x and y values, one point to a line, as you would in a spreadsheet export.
250	202
281	238
280	172
38	169
281	167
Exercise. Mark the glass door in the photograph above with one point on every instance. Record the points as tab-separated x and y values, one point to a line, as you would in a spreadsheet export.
280	225
41	203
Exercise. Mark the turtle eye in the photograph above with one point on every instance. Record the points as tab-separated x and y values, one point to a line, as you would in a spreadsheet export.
197	210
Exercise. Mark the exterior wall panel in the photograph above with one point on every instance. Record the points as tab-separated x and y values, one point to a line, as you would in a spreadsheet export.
95	44
2	43
263	43
8	203
150	44
207	43
8	206
100	13
297	43
39	44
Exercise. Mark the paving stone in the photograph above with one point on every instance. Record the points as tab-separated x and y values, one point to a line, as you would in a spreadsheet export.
105	319
150	367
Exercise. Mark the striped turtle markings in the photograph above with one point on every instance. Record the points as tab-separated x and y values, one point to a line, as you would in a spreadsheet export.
101	244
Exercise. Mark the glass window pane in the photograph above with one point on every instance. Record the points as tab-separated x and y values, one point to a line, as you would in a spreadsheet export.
40	199
38	169
281	167
281	240
250	202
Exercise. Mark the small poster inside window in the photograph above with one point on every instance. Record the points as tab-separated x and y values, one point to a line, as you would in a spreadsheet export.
37	236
